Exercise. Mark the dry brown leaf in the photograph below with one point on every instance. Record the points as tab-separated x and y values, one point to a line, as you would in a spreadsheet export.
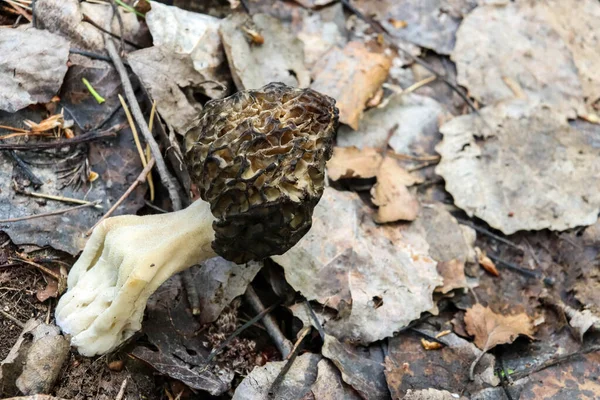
491	329
485	262
453	273
430	345
391	193
351	162
51	290
352	76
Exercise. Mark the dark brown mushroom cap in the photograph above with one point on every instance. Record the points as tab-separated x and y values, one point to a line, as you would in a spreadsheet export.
258	157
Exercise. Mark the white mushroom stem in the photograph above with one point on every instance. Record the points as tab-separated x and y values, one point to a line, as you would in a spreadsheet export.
124	261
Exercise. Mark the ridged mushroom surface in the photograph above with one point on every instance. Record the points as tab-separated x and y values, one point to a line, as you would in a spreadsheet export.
258	157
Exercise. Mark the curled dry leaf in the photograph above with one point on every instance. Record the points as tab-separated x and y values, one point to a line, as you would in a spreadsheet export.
485	262
430	345
453	273
280	58
391	194
368	273
491	329
516	43
32	67
508	178
351	162
352	76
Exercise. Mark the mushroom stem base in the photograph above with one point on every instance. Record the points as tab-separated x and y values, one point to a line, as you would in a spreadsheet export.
123	263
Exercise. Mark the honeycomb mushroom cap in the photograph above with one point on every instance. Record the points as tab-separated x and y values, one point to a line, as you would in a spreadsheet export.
258	157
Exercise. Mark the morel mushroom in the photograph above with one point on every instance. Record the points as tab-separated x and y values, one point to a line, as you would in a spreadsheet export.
258	158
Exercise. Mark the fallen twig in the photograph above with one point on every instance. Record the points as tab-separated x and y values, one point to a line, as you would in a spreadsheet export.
490	234
108	32
48	214
281	342
60	198
122	390
45	270
140	179
164	174
525	272
84	138
138	145
290	361
13	319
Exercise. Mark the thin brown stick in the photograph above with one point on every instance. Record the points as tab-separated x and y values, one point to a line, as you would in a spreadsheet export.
13	319
281	342
164	174
45	270
140	179
20	10
86	137
122	390
60	198
48	214
303	333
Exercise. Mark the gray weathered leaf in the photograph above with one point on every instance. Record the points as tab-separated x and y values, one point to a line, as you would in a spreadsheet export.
32	66
531	171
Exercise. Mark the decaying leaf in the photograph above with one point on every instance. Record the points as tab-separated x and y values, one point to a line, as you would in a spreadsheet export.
32	67
329	384
416	118
409	366
485	262
368	273
491	329
180	352
361	367
427	23
351	162
442	236
280	58
66	17
576	379
352	76
453	273
517	42
218	282
508	178
296	383
187	58
320	30
582	321
577	25
391	194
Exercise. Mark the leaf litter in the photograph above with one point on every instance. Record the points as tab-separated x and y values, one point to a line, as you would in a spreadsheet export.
386	268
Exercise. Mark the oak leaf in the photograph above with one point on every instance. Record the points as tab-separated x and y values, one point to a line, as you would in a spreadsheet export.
491	329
